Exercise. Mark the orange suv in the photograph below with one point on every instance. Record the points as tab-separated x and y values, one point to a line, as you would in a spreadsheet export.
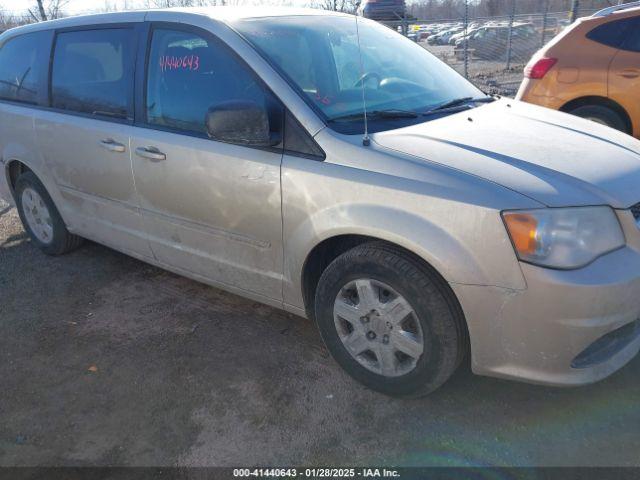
592	70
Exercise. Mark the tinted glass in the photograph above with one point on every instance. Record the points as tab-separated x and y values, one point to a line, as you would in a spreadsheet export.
397	73
188	74
93	72
298	141
633	38
21	64
611	34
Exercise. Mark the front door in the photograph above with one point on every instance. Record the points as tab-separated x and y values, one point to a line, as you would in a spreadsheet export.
211	209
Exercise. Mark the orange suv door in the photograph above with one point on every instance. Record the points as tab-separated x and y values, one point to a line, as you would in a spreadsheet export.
624	76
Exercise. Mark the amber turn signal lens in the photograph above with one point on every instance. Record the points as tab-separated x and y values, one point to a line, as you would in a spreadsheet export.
523	231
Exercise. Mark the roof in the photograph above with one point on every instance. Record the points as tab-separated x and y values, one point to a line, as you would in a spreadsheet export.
222	13
617	8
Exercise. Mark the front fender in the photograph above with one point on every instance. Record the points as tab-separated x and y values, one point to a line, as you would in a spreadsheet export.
487	259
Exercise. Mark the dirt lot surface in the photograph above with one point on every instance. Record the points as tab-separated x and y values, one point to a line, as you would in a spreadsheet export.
105	360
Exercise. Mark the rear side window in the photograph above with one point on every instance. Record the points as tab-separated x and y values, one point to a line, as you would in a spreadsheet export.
188	74
21	63
633	39
93	72
612	34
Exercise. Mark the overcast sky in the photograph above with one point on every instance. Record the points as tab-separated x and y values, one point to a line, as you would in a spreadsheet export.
74	7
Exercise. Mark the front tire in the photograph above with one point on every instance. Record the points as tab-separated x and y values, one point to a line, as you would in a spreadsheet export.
389	320
40	217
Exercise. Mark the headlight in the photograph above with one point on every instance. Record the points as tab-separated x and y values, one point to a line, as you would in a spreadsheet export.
563	237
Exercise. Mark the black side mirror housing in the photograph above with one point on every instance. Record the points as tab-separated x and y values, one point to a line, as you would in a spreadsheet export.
240	122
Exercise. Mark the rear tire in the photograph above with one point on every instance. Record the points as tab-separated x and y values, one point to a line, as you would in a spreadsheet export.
413	338
40	217
602	115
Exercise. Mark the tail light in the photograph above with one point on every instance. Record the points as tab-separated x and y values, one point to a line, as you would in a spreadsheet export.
539	68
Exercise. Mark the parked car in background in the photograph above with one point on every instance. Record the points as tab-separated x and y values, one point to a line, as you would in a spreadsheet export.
492	42
592	70
418	33
454	39
471	29
323	164
423	33
443	37
382	10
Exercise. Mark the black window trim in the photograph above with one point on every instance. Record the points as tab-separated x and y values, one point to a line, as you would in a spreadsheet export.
134	26
141	81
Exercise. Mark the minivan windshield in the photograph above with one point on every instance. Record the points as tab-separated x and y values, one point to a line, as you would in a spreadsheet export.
321	57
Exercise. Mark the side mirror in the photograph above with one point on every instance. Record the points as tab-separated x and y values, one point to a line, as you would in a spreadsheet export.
240	122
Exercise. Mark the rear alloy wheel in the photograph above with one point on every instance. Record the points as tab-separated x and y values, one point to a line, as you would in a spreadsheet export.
389	320
602	115
37	215
41	218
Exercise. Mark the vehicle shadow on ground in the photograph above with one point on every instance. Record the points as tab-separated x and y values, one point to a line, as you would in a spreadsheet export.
107	360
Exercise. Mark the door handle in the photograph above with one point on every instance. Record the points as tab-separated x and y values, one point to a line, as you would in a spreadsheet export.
152	153
630	73
113	146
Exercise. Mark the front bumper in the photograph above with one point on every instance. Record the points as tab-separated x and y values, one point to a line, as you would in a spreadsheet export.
546	333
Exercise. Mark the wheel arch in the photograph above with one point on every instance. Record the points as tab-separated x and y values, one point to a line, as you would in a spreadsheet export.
323	236
15	168
601	101
15	165
331	248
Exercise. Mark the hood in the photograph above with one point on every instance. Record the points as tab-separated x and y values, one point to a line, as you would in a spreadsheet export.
552	157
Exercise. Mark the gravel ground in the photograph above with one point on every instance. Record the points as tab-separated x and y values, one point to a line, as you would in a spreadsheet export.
105	360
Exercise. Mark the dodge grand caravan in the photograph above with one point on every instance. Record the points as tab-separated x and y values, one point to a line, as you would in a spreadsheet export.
326	165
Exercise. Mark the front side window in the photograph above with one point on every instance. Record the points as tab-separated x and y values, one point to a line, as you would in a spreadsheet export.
396	73
21	65
93	72
189	74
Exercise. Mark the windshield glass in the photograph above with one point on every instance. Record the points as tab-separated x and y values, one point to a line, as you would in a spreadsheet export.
319	56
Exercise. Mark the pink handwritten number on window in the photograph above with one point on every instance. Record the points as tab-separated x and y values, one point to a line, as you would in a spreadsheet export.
188	62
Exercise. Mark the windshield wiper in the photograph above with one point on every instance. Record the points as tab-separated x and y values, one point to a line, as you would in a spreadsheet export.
458	102
376	114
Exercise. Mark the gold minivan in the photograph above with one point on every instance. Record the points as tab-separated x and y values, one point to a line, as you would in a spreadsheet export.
326	165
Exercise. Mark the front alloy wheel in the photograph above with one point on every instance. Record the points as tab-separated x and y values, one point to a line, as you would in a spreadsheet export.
390	320
378	327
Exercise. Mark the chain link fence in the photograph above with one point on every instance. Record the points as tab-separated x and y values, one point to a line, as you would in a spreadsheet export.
490	51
